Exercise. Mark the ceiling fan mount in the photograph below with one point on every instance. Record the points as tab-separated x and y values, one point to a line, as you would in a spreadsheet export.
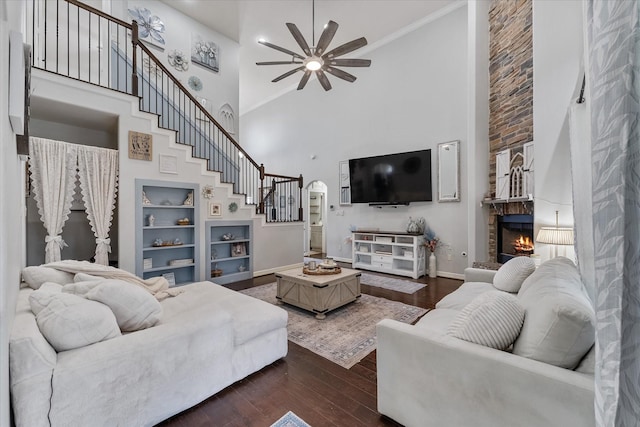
316	59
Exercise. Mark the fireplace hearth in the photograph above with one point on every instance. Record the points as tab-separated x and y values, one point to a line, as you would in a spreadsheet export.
515	236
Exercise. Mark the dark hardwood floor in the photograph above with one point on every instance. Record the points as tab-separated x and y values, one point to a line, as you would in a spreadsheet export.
317	390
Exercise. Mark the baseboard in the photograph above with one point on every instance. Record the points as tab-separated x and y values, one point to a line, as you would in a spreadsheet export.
450	275
276	269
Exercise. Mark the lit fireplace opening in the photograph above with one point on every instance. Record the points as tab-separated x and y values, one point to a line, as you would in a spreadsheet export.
523	245
515	236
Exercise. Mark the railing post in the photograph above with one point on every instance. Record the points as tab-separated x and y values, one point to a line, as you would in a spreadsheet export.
300	210
134	60
261	204
273	195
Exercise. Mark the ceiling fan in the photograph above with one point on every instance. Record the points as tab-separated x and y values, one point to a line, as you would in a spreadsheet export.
317	60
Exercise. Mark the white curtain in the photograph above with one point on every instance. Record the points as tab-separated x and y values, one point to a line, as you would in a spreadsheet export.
53	175
98	169
613	37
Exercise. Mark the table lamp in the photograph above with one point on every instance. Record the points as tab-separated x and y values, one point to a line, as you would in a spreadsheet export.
555	236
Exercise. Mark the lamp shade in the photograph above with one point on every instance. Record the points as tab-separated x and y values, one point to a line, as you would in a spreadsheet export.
555	236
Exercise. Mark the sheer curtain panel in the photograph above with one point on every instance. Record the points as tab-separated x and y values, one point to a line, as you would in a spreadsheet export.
53	174
98	169
613	37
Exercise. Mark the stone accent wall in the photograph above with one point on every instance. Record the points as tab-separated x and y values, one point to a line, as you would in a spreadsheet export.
510	90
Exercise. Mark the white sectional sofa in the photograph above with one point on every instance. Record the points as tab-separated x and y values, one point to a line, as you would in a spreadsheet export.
207	338
428	377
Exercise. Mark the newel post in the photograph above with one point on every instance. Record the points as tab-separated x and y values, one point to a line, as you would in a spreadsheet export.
300	211
261	205
134	60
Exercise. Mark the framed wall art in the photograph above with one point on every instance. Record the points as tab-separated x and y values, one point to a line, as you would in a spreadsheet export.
168	164
204	53
215	209
140	146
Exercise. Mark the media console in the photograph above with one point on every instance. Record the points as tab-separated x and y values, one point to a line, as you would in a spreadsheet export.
389	252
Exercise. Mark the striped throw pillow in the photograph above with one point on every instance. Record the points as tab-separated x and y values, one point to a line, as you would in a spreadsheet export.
493	319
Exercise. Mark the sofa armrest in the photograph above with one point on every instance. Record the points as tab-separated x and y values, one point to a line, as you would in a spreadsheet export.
427	378
31	364
479	275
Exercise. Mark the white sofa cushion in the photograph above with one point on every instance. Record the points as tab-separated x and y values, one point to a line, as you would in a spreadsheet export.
133	307
559	326
462	296
35	276
69	321
493	319
511	274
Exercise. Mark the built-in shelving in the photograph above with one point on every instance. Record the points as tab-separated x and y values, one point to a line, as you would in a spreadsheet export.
229	260
389	252
159	207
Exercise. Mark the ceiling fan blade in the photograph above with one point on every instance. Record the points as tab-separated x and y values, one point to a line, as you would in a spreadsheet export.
287	74
278	62
345	48
326	37
304	79
340	74
297	35
324	81
281	49
349	62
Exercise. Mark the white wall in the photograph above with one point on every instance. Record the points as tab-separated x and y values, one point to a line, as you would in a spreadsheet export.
412	97
557	70
11	214
219	88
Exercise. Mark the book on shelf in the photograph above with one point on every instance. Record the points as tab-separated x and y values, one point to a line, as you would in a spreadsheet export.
379	252
147	263
179	262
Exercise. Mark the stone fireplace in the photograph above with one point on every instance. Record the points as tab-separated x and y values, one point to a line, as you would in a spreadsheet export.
515	236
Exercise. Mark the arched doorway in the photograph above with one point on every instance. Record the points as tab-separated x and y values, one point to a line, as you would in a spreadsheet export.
315	235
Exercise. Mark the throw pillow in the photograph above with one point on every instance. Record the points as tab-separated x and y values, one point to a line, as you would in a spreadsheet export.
84	277
492	319
35	276
69	321
560	325
134	307
511	274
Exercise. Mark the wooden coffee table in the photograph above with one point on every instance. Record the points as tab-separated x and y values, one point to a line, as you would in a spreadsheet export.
318	294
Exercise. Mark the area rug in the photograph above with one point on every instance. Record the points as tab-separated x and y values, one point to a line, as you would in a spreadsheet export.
404	286
348	334
290	420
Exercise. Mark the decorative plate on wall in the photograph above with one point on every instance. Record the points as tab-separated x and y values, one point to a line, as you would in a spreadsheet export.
233	206
195	83
178	60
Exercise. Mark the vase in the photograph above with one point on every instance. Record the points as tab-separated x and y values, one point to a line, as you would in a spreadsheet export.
432	265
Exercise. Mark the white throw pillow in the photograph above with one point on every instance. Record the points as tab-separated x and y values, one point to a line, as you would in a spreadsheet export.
560	325
84	277
69	321
492	319
134	307
35	276
511	274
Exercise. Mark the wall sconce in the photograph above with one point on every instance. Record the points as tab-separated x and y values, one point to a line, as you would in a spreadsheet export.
555	236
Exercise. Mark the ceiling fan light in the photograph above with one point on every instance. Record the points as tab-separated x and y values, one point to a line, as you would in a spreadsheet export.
313	63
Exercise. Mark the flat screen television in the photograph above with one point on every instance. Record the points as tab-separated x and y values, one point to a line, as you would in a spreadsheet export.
391	179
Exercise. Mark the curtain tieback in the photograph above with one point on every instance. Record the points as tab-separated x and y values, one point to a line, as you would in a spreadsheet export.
57	239
103	244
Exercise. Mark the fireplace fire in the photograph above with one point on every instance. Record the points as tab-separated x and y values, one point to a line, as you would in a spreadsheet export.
523	245
515	236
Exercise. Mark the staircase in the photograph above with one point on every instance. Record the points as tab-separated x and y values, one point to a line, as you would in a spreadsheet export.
69	38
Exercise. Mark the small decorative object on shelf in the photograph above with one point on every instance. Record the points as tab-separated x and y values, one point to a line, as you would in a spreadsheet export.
145	199
214	254
171	278
242	268
227	236
179	262
157	242
148	263
416	226
189	200
207	192
233	206
177	242
238	249
151	220
184	221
